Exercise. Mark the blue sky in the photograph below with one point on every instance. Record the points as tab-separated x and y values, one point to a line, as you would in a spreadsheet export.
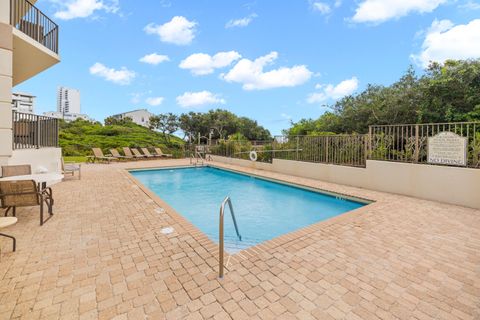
271	60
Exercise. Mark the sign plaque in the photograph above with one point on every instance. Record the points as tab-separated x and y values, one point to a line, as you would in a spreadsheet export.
447	148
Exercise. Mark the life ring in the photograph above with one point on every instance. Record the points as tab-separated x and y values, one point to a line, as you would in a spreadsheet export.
253	155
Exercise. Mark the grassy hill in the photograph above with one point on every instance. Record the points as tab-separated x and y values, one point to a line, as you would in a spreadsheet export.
78	137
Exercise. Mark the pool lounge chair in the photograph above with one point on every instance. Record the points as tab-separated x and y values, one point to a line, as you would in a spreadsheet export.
98	155
139	154
161	154
116	154
148	154
128	153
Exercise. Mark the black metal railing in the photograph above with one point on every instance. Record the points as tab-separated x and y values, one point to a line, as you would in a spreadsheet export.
27	18
31	131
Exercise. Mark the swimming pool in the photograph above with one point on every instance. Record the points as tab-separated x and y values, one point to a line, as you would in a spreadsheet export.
264	209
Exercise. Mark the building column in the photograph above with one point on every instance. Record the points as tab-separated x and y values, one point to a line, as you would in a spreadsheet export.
6	73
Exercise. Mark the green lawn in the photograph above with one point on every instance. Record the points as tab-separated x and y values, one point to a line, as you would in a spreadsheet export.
75	159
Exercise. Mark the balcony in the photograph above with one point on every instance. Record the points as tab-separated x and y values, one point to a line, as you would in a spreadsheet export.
31	131
35	40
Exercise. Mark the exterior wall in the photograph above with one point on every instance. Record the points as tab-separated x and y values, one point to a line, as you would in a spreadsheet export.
67	116
140	117
452	185
6	74
48	158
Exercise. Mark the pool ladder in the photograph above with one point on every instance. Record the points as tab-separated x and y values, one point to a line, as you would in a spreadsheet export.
221	232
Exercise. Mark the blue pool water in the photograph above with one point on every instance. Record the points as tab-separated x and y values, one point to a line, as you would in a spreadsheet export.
264	209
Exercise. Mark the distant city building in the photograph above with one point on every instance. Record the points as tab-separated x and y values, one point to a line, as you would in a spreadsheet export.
68	106
23	102
68	117
68	100
140	116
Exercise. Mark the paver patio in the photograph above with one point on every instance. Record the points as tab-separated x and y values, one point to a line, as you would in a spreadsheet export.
102	255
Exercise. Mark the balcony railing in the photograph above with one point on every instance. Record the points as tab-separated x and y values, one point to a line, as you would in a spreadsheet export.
31	131
25	17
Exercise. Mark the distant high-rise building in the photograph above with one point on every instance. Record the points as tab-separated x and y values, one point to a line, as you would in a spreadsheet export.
68	100
23	102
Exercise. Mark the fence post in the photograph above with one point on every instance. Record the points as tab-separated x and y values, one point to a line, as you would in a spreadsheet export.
417	151
326	149
296	153
37	133
369	143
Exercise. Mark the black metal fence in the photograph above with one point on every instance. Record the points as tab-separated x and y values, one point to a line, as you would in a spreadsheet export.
25	17
409	142
32	131
402	143
348	150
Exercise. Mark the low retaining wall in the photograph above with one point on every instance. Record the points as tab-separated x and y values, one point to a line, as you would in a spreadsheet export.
460	186
48	158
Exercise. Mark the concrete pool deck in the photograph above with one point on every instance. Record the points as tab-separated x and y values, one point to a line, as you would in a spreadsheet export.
103	256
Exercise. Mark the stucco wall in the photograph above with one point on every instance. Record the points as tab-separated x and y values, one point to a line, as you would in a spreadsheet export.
453	185
49	158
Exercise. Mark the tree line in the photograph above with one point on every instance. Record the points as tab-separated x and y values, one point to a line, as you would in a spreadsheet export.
448	92
214	124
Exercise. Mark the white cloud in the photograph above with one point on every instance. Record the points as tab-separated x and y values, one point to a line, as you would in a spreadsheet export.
154	58
445	41
286	116
197	99
84	8
243	22
122	76
322	7
154	101
378	11
344	88
251	75
178	31
202	63
470	5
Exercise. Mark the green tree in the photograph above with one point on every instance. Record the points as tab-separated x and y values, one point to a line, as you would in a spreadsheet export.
166	123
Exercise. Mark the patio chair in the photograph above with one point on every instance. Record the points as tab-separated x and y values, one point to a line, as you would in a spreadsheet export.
98	155
16	170
148	154
161	154
116	154
71	168
137	153
23	193
128	153
6	222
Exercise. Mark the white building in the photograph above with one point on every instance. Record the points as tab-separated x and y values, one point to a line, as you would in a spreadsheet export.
28	46
68	106
68	117
140	116
23	102
68	100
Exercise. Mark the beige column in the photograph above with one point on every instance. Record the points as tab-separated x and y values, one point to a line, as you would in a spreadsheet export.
6	72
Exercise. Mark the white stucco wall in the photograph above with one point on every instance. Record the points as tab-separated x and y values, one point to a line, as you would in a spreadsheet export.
49	158
454	185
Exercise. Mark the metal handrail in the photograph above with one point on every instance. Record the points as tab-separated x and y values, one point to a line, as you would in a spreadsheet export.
27	18
221	233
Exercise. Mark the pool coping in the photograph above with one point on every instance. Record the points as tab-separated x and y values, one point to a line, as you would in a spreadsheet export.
268	245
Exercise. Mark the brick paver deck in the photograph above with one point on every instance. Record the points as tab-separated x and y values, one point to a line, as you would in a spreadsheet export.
103	256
